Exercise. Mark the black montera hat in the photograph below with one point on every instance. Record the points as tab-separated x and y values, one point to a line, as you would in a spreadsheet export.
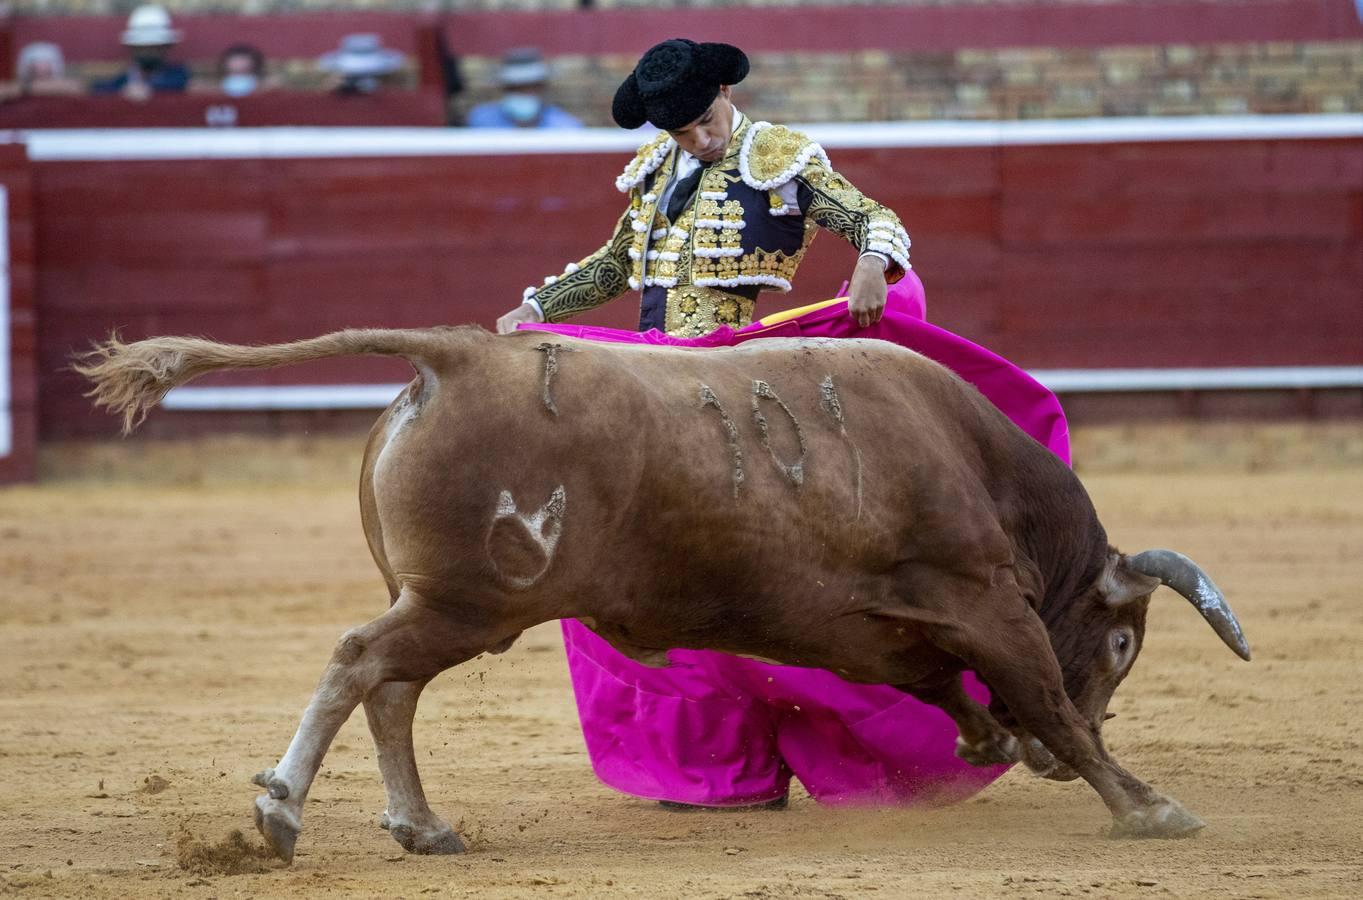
675	82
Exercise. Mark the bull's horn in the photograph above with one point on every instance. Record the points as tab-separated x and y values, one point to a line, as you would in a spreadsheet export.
1185	576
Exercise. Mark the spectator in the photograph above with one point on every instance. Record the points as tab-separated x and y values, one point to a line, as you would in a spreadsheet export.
523	78
149	39
241	71
362	65
41	71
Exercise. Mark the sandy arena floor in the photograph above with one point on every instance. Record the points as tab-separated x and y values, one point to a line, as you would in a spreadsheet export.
158	640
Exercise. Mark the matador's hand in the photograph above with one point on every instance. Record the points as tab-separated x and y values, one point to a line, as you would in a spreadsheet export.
866	295
523	313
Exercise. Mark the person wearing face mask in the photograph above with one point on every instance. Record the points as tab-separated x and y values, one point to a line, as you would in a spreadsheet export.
523	78
149	38
241	70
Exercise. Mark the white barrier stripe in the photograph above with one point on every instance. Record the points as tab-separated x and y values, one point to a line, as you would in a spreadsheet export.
96	144
267	397
6	396
1062	381
1081	381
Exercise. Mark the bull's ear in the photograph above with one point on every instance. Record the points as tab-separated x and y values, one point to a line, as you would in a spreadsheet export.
1122	584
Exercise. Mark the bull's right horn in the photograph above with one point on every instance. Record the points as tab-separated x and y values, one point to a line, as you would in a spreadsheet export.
1179	572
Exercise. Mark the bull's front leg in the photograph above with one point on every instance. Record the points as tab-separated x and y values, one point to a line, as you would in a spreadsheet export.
981	741
390	709
1013	653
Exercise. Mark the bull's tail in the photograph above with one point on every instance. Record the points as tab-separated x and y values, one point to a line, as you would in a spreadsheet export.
131	378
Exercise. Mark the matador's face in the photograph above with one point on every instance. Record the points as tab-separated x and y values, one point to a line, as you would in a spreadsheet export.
708	136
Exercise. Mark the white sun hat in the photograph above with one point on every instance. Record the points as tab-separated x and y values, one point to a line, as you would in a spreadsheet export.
361	55
149	26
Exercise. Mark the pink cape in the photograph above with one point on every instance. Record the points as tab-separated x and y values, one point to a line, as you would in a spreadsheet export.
718	730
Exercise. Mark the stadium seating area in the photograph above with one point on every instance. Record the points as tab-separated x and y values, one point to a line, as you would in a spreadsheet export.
825	61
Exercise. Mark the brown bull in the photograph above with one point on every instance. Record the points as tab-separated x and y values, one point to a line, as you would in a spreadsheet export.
848	505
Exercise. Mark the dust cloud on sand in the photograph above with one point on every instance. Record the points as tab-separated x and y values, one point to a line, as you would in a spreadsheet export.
163	624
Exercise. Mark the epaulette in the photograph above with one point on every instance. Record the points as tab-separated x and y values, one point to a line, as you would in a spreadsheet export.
648	158
771	155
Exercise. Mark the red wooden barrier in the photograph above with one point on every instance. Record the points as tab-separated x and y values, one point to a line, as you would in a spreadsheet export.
418	107
18	367
1225	253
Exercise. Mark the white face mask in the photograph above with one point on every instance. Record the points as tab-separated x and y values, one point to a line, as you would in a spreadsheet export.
239	84
522	108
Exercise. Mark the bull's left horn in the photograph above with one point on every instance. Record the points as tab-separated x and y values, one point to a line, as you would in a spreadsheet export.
1185	576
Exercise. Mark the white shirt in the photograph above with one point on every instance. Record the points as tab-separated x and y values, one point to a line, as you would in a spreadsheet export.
686	164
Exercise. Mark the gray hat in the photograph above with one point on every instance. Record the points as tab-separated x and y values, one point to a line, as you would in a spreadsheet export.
362	55
522	66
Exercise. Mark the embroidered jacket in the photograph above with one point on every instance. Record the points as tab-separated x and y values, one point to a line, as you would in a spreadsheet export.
745	229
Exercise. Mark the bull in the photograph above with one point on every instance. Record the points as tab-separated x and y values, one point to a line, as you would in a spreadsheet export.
843	504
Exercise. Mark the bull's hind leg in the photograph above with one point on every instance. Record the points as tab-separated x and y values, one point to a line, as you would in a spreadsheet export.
410	642
1013	653
981	741
390	708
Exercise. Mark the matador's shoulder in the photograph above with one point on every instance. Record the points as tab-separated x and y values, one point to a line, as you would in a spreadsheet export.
646	160
771	155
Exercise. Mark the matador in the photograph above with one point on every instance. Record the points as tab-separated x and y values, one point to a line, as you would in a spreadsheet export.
720	208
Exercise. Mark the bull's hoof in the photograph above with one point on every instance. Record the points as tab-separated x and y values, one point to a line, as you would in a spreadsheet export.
279	826
1164	819
438	841
992	751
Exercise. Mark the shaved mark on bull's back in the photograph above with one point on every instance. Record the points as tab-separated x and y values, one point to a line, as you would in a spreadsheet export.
830	403
520	546
708	398
794	472
550	352
828	400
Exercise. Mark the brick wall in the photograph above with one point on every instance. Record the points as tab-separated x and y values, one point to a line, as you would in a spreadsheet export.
1022	83
22	375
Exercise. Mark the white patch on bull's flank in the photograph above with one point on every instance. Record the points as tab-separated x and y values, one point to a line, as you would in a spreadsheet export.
544	526
404	413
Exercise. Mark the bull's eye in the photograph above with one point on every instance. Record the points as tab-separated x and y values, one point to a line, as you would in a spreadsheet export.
1120	642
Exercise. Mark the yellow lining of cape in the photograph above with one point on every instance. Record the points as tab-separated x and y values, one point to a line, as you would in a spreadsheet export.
786	315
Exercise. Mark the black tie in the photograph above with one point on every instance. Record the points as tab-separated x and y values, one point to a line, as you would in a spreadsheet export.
683	192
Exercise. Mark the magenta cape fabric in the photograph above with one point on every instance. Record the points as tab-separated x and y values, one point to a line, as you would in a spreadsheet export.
718	730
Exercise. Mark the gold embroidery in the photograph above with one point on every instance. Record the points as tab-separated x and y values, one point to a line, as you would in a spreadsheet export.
694	311
774	150
598	279
645	160
648	211
838	206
